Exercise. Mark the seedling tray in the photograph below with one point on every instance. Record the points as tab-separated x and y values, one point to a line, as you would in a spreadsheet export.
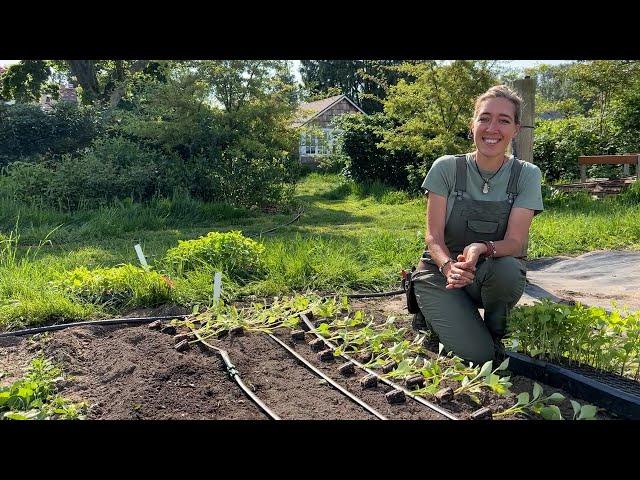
617	394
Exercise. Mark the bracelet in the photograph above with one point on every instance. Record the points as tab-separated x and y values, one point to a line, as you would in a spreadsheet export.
491	249
441	268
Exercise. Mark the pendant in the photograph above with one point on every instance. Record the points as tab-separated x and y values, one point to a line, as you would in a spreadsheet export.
485	188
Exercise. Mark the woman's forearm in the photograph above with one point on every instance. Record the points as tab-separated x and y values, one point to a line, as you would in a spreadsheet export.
438	250
509	247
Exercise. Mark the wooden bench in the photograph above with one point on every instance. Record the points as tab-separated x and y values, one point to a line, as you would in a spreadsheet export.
626	160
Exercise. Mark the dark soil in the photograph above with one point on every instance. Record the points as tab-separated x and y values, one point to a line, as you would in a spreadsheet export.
133	372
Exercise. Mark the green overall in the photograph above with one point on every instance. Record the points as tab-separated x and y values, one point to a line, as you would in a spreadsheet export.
498	283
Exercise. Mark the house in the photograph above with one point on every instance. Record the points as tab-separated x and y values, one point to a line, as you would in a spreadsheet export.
317	131
67	93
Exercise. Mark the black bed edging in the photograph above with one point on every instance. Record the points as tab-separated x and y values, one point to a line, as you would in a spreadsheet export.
615	400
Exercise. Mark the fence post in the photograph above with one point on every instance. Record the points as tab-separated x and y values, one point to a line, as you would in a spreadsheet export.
526	88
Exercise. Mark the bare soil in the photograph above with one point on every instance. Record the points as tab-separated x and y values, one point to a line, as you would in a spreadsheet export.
133	372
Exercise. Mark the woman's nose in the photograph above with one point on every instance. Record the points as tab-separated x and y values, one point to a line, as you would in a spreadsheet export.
493	126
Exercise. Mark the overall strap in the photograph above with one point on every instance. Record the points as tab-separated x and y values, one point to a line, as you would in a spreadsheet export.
512	188
461	175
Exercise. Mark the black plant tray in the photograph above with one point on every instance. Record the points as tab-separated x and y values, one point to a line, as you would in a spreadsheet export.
617	394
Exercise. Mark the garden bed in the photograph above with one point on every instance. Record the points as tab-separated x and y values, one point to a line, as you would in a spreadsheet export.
134	372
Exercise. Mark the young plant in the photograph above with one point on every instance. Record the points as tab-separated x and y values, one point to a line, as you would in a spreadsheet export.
33	397
583	412
485	378
536	404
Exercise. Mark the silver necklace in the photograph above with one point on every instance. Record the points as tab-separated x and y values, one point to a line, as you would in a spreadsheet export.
485	187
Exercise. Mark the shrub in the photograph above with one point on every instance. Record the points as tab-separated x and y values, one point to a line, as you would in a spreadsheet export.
25	130
366	161
233	253
125	286
558	144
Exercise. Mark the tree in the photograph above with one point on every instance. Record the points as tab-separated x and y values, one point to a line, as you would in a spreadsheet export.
364	81
25	81
432	109
598	82
101	81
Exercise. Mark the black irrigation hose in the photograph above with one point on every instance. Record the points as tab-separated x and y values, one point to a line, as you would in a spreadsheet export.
382	379
331	382
233	373
108	321
298	215
382	294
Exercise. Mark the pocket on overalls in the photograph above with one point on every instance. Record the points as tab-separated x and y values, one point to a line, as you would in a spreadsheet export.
478	230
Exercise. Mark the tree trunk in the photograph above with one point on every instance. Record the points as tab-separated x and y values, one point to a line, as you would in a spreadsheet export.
85	72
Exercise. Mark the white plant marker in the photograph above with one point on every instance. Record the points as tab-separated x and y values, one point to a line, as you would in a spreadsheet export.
143	261
217	286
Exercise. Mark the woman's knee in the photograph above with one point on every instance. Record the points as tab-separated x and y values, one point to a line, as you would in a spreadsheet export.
507	273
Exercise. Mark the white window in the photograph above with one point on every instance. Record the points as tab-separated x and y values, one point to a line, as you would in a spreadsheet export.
317	144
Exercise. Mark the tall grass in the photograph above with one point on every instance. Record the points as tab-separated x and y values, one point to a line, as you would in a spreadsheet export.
351	237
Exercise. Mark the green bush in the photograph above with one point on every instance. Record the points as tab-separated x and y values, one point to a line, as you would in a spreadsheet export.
125	286
231	252
366	161
558	144
27	131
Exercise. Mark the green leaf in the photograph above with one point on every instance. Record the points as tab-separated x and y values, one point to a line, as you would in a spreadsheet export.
504	365
537	391
15	416
587	412
486	368
555	397
576	408
523	398
551	412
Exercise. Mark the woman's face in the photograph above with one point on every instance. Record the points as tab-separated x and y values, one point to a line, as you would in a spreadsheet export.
494	126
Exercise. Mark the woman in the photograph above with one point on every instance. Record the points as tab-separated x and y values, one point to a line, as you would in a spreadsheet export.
479	210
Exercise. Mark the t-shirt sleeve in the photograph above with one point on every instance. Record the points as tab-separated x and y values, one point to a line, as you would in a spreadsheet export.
440	176
530	189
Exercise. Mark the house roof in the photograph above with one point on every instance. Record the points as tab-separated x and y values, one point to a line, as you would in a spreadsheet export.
310	110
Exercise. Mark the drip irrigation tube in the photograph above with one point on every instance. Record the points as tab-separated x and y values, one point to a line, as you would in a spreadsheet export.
108	321
233	373
331	382
382	379
382	294
298	215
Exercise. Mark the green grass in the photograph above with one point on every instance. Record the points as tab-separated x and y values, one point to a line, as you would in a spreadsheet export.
350	237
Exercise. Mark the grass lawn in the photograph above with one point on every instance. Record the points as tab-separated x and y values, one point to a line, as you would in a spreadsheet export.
349	238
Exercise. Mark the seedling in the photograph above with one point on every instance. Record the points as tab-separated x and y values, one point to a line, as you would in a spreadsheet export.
536	404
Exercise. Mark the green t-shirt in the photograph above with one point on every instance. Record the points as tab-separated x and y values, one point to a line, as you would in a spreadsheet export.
441	180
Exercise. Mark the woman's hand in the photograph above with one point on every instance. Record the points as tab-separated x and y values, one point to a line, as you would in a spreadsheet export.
471	254
462	272
458	277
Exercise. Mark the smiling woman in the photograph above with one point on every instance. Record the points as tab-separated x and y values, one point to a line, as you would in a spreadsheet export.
479	210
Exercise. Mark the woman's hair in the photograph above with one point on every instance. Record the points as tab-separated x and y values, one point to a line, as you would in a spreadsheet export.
501	91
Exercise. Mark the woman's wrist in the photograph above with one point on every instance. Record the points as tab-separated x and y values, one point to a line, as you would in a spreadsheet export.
447	264
489	249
